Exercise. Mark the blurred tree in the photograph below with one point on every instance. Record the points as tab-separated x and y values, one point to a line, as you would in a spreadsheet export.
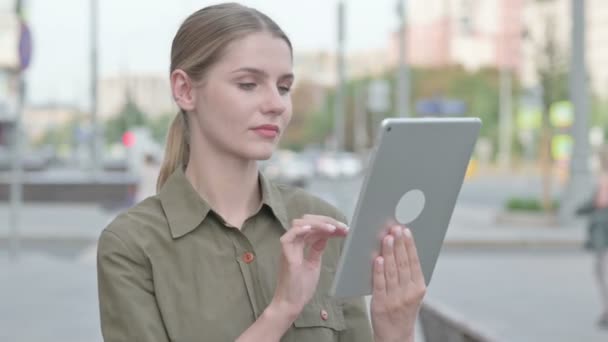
159	126
129	117
307	99
59	135
319	124
599	113
479	90
551	68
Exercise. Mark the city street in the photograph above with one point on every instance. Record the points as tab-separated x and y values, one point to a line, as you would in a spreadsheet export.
521	296
49	293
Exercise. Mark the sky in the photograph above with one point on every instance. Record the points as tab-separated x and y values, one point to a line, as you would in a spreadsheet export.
135	36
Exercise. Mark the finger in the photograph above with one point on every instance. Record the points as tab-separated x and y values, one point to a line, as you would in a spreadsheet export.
302	228
415	269
326	219
401	257
323	228
378	279
295	233
390	268
317	239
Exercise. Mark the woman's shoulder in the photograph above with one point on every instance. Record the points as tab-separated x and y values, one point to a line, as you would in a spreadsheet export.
144	221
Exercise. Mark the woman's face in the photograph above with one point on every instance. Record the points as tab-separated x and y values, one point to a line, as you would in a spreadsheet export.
244	105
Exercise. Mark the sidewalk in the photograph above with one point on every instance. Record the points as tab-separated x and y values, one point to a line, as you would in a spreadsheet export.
470	227
56	221
476	226
481	287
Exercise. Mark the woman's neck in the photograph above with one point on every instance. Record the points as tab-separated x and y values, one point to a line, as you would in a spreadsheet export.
230	185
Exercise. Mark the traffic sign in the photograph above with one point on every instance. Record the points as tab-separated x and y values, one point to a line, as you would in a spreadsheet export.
441	107
128	139
529	118
25	46
562	114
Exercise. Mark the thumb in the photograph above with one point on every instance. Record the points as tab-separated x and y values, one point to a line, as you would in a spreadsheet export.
316	250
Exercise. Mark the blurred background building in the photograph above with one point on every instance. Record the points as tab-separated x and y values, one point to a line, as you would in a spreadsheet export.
150	92
471	33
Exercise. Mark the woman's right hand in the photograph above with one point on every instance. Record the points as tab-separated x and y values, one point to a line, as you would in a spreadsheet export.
302	248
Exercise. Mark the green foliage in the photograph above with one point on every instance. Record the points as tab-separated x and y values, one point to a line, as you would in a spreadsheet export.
479	90
130	116
60	135
160	125
320	126
528	204
599	113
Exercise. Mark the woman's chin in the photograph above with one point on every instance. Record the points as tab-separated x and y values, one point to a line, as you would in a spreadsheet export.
262	152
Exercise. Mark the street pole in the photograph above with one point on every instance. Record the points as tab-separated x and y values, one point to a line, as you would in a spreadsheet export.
17	183
17	142
340	91
95	150
506	114
403	91
579	185
360	122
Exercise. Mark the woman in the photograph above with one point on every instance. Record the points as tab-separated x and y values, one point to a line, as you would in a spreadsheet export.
597	237
221	253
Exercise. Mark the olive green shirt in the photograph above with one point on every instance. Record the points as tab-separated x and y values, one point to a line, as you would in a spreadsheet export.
171	269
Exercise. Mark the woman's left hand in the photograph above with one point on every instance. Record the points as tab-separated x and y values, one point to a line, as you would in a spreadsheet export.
398	288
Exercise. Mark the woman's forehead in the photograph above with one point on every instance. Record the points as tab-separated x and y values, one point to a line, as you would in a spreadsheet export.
260	51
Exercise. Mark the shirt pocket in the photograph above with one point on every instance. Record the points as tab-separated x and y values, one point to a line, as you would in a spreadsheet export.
322	315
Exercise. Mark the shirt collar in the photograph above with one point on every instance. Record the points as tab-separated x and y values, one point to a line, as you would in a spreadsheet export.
186	210
273	198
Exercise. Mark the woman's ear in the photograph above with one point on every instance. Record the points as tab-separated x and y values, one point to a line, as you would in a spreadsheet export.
183	90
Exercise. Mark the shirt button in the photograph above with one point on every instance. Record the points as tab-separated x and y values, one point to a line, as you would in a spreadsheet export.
248	257
324	315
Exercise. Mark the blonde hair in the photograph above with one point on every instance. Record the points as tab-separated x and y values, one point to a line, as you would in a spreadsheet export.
198	44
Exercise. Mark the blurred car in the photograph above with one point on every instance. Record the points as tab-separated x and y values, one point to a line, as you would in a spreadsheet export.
328	166
339	165
31	160
288	167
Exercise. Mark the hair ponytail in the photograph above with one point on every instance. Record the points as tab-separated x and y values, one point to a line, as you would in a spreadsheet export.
177	151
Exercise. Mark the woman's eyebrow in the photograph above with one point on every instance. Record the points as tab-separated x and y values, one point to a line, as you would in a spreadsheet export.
262	73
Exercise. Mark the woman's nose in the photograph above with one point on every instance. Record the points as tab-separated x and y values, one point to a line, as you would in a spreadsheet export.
274	103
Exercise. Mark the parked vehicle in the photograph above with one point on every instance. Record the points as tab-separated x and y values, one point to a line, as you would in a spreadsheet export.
288	167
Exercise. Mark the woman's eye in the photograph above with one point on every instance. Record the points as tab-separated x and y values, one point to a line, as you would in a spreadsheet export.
247	86
284	90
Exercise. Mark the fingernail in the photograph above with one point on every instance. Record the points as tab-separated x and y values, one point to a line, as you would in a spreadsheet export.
331	227
306	227
343	225
380	261
398	232
408	233
389	241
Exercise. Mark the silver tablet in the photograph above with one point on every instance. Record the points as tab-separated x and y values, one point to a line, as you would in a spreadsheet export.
414	177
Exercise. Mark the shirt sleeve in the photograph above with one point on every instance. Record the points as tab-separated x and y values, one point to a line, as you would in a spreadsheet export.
127	303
